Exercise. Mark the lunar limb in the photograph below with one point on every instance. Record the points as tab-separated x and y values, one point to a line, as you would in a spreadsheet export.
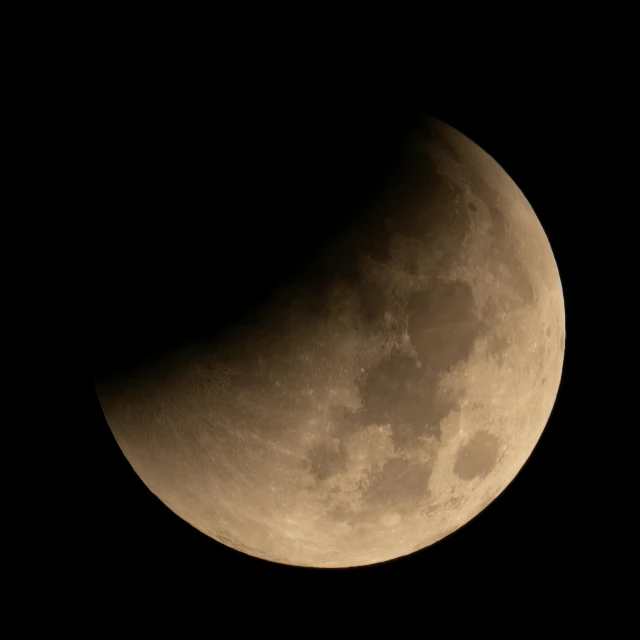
370	414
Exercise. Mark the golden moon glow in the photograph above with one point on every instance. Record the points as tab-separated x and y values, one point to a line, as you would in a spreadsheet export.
377	408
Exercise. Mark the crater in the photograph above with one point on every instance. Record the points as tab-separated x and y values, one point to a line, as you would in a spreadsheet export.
476	458
442	325
399	488
326	459
398	392
497	346
396	491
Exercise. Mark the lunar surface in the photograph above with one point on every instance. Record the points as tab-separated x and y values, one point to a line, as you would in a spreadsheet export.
377	407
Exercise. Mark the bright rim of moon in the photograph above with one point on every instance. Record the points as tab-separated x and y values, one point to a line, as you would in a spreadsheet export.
369	417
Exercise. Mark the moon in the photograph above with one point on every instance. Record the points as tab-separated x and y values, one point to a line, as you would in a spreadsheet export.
381	399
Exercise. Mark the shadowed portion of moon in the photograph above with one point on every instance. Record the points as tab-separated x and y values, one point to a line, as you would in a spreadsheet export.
400	214
383	396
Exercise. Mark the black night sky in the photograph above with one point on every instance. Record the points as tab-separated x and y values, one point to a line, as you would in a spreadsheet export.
214	185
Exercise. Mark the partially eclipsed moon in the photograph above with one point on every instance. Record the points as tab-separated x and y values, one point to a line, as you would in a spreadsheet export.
378	408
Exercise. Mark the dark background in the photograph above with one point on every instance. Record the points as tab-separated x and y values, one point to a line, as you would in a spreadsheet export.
215	182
